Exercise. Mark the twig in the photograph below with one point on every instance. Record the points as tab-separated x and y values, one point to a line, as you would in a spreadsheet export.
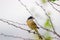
56	4
14	22
55	38
54	7
2	34
17	26
36	20
50	20
31	14
25	7
46	15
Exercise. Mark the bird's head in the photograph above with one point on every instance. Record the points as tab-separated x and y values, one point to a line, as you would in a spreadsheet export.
30	17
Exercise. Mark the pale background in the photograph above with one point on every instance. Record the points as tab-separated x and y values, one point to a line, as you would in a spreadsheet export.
13	10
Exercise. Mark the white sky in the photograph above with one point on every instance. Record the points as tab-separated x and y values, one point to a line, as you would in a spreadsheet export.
13	10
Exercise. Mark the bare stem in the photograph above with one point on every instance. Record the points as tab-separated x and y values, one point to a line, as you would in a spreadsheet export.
2	34
13	22
31	14
46	15
54	7
25	7
16	26
56	4
50	20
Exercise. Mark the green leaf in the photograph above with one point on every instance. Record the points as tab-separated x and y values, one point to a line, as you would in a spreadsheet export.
47	24
52	0
43	1
48	38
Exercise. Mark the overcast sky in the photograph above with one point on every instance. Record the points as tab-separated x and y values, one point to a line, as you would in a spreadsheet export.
13	10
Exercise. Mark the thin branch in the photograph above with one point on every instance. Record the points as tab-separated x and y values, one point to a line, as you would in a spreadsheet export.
31	14
23	29
50	20
54	7
17	26
14	22
56	4
46	15
10	24
35	19
25	7
2	34
51	37
24	24
30	31
55	38
44	28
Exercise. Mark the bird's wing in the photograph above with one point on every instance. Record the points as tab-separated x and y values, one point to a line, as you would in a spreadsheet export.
34	24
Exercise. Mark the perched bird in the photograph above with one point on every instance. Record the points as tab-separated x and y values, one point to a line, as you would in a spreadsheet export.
32	25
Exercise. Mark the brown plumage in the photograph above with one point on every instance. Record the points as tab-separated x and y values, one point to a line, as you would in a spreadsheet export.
32	25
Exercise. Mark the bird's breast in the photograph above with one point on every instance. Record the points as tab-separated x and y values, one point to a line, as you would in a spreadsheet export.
31	24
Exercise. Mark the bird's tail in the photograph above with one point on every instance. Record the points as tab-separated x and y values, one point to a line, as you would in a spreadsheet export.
40	37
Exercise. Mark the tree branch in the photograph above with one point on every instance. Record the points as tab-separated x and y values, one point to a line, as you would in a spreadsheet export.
31	14
36	20
50	21
8	22
25	7
17	26
13	22
56	4
46	15
13	36
54	7
2	34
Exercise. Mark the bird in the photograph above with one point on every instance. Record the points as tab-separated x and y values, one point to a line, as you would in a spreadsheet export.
32	25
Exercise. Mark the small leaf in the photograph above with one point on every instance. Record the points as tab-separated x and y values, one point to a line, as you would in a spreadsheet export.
52	0
48	38
47	24
43	1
